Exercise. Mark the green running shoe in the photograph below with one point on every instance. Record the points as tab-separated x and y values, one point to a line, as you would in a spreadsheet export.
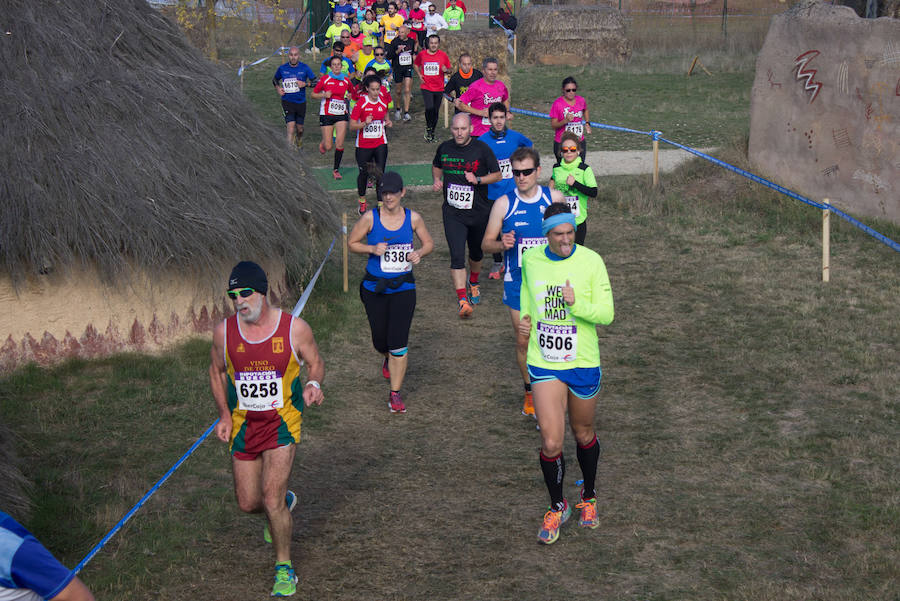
285	581
290	499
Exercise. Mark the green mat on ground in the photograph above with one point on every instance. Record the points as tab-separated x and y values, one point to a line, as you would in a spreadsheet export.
413	175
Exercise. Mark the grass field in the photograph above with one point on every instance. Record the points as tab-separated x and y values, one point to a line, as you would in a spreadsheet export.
749	418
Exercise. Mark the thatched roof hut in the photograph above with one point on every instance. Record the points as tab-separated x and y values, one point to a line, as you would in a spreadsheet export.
135	175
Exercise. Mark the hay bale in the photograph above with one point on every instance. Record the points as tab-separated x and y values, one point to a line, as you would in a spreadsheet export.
572	35
131	163
480	44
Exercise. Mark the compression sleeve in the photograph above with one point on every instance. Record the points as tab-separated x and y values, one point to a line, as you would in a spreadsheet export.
589	191
600	308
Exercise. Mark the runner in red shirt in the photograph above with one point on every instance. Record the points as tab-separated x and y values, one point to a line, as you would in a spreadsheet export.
333	90
368	120
431	65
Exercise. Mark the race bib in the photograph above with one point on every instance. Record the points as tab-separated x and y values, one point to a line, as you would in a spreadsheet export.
460	197
405	59
505	168
389	34
259	390
373	130
576	127
396	258
337	106
559	344
453	22
525	243
431	68
290	85
572	201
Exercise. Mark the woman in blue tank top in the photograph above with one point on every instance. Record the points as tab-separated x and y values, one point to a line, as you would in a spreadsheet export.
388	289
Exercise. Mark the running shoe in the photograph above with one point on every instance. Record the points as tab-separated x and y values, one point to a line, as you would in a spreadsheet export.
285	581
553	520
474	293
406	117
427	136
337	174
322	147
496	271
395	403
397	115
589	518
290	499
385	370
465	309
362	208
528	405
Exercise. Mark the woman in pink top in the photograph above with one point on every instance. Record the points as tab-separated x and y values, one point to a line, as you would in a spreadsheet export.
569	113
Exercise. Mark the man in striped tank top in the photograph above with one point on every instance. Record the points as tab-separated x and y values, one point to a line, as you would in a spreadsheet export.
255	380
517	215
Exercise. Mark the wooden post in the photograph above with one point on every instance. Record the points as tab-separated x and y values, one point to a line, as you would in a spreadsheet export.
655	163
446	104
345	251
242	75
826	244
693	64
515	48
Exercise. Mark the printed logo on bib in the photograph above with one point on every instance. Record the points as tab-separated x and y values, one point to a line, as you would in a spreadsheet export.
525	243
431	68
396	258
572	201
337	106
558	343
290	85
405	59
460	197
373	130
259	390
576	127
505	168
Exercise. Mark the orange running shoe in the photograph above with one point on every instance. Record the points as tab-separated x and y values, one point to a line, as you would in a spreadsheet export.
553	520
528	405
465	309
589	518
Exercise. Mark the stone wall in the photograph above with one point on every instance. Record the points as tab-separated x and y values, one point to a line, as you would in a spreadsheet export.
825	108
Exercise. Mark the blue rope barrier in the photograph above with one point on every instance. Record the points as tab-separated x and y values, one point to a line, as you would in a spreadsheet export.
297	309
657	135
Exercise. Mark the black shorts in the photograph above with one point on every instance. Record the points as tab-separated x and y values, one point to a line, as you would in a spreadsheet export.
293	111
401	73
328	120
462	232
390	317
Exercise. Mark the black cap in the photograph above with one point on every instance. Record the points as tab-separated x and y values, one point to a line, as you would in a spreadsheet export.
248	274
391	182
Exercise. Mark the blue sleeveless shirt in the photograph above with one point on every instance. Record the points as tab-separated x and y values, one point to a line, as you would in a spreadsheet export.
525	219
394	262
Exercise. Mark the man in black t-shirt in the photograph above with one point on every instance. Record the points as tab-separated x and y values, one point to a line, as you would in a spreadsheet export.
401	52
462	78
462	168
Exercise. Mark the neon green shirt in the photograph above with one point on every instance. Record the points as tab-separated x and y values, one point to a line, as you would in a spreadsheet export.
563	336
575	199
454	16
370	30
333	33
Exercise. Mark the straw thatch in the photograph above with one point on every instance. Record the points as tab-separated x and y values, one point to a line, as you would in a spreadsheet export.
13	497
124	148
480	44
572	35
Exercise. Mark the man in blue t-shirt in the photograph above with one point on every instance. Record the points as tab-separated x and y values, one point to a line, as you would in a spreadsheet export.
29	572
503	142
290	82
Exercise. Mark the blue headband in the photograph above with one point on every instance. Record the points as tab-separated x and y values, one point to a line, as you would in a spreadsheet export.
551	222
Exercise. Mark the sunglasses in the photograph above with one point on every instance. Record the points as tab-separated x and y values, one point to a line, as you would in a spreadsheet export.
244	292
523	172
570	149
571	90
379	54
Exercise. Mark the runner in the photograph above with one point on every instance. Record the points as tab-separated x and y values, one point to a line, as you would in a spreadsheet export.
390	24
454	15
255	380
388	290
363	57
576	181
333	33
503	142
337	49
431	65
384	70
333	90
344	7
290	81
403	10
370	28
380	8
467	166
482	94
516	220
565	294
400	52
417	26
368	120
569	113
434	21
464	77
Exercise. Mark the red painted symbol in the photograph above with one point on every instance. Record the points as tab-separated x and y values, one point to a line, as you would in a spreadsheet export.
803	73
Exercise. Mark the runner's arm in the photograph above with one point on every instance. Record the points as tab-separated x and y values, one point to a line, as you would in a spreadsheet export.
74	591
489	243
305	343
217	383
587	121
555	195
360	229
423	235
599	308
